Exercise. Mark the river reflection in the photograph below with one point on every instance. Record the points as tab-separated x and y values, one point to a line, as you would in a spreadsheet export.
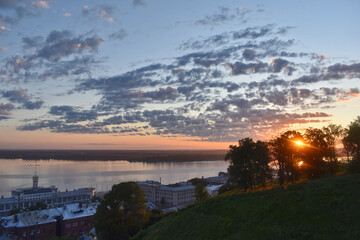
99	174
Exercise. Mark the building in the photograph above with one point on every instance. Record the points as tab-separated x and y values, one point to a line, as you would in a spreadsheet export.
218	180
23	198
180	194
70	220
31	225
213	190
76	219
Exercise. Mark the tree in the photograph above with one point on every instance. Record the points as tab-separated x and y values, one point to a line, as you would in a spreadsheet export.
333	134
354	165
352	143
122	212
286	154
316	152
155	216
353	136
249	164
38	206
201	193
195	181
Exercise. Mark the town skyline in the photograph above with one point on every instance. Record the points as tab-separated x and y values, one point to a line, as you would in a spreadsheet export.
145	74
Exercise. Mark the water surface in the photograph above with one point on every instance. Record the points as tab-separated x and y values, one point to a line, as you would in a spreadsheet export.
15	173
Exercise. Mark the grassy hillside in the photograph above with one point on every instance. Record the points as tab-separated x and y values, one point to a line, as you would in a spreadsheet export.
321	209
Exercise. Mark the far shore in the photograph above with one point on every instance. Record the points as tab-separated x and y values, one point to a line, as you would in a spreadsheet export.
116	155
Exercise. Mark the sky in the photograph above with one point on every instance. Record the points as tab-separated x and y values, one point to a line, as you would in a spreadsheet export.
163	74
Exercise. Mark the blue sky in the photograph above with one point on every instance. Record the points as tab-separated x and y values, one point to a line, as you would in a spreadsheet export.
141	74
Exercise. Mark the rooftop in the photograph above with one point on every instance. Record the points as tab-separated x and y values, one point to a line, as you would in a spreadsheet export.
69	211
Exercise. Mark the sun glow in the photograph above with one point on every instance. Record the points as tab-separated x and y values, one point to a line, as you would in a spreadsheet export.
300	163
299	143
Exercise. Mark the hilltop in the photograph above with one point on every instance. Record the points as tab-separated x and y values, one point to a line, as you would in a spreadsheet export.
327	208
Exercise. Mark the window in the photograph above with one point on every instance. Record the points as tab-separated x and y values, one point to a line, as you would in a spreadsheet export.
67	225
74	224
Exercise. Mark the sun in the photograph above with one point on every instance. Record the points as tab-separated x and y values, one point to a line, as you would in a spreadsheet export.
299	143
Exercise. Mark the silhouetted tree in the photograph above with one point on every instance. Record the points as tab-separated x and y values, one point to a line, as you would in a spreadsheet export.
316	152
249	164
286	155
121	213
353	136
352	140
333	134
200	193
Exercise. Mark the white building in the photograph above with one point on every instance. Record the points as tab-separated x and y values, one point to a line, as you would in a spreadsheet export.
213	190
25	197
180	194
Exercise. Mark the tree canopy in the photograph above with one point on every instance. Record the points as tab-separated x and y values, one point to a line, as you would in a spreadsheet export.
122	212
200	193
249	164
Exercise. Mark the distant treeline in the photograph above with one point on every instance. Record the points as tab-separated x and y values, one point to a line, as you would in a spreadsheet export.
114	155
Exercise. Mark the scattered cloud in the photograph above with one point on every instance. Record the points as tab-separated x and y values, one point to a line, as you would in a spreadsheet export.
119	35
21	96
99	11
248	82
4	29
32	42
67	14
223	15
41	4
60	54
137	3
6	108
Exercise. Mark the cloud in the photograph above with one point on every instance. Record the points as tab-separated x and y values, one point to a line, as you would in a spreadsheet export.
61	44
21	96
223	15
253	84
73	115
253	32
344	68
67	14
249	54
6	108
160	94
32	42
279	64
4	29
248	68
41	4
250	33
16	96
99	11
19	9
60	54
137	3
119	35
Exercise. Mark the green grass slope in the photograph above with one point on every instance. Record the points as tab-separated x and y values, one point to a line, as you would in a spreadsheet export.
321	209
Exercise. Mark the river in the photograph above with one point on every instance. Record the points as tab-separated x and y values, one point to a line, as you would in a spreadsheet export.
17	173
